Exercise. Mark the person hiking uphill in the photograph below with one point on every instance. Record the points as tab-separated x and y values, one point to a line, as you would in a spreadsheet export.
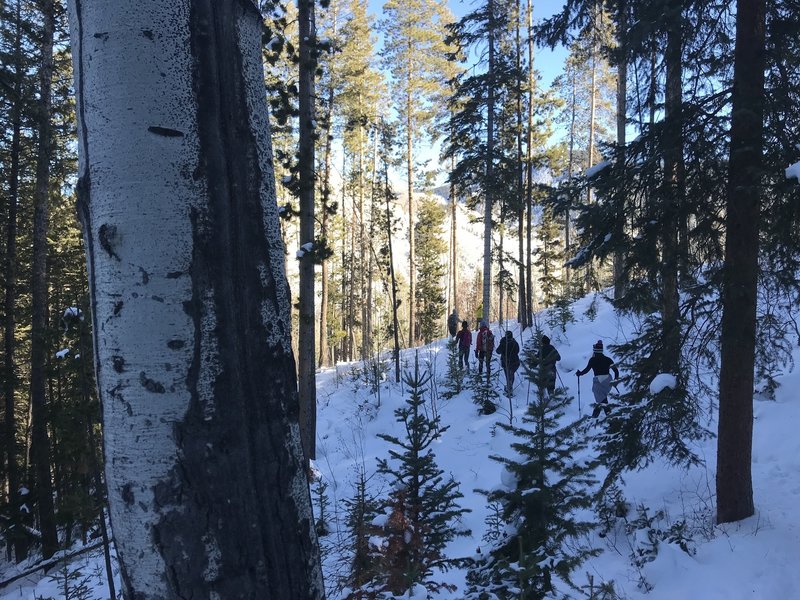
508	349
601	365
484	346
548	357
452	323
464	341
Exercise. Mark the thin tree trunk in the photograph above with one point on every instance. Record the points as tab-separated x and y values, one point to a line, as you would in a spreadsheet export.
306	353
740	272
395	306
190	303
18	537
622	110
362	247
487	203
522	306
592	103
371	261
412	275
324	358
529	175
452	283
570	174
40	444
672	190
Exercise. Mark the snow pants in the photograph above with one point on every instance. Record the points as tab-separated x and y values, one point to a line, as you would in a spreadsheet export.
601	386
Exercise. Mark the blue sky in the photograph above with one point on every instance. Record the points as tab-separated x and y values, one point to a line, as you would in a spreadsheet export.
548	62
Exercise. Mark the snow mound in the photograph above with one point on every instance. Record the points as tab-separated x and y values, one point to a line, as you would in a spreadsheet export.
661	381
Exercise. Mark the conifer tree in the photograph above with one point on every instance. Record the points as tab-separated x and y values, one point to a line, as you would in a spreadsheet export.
415	53
422	509
550	257
549	487
430	249
361	511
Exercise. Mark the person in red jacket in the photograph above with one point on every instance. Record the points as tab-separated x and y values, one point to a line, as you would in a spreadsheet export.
602	366
484	346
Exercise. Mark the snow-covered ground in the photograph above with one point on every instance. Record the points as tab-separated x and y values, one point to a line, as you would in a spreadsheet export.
753	559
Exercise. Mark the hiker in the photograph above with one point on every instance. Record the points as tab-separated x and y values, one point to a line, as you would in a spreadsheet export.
484	346
452	322
546	361
508	349
601	365
464	341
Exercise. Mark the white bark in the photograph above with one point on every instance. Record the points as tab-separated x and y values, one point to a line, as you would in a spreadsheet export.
178	352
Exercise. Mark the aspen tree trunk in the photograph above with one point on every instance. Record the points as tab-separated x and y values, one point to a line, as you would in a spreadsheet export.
740	273
622	110
94	459
672	190
487	203
18	538
40	443
306	352
190	303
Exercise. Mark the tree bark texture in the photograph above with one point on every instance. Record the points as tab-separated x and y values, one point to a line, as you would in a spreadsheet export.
622	110
324	359
673	189
740	272
18	538
307	318
487	203
529	174
40	442
412	259
521	299
190	304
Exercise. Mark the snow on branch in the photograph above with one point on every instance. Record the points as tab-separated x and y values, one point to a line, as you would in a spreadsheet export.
594	170
661	381
793	172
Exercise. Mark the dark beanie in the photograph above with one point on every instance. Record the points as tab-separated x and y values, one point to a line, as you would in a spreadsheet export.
545	339
598	347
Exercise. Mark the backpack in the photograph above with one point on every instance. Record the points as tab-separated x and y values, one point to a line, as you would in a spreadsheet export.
487	341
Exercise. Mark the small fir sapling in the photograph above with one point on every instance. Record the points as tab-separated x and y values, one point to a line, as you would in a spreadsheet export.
544	497
422	508
364	555
484	392
454	382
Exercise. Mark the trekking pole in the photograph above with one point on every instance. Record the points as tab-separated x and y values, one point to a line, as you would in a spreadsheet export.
579	396
561	380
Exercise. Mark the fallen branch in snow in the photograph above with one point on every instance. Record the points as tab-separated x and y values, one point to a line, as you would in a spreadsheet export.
44	566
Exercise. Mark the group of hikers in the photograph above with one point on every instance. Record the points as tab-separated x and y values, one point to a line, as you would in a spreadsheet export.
508	350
